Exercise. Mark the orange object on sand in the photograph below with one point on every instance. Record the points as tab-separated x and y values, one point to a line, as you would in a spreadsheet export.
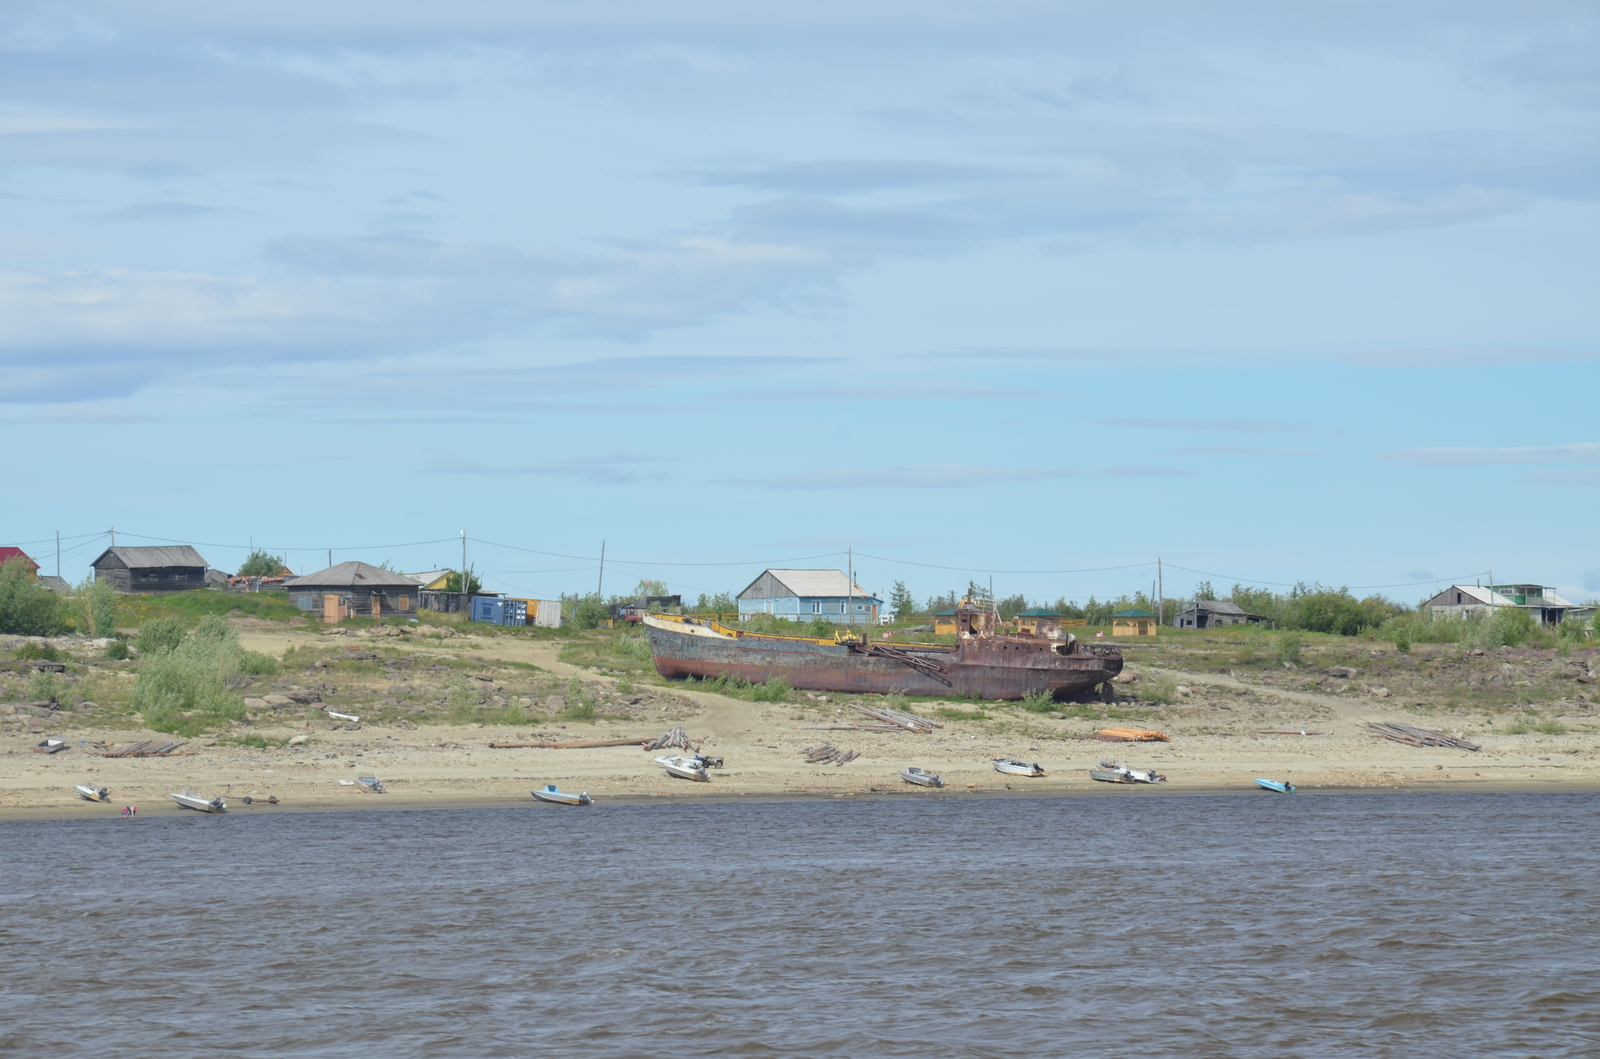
1131	735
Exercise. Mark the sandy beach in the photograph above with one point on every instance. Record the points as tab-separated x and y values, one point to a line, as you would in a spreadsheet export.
1216	744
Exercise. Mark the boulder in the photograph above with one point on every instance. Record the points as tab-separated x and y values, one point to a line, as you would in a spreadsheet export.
1344	672
273	700
1124	678
258	704
555	702
299	740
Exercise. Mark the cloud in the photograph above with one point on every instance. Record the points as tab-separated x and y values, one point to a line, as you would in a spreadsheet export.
1241	426
1237	450
611	468
1447	456
1464	356
841	176
925	392
153	211
1576	479
933	476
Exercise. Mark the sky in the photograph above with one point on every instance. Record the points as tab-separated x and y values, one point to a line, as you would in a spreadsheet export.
1037	292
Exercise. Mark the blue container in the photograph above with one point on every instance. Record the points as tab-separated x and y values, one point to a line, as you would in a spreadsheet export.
499	611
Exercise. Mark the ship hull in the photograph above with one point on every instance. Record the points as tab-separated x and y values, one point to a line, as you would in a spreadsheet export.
999	668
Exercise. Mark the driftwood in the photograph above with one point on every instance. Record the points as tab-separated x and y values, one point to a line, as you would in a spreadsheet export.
898	718
146	748
1287	731
851	726
1132	735
1411	735
580	744
674	738
828	754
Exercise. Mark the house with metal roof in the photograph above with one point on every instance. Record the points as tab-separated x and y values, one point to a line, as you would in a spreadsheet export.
806	595
164	568
1544	605
8	553
356	590
1210	613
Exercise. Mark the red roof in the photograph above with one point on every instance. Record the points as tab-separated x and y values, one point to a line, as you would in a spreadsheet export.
8	553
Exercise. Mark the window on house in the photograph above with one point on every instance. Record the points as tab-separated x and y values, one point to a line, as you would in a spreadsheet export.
816	606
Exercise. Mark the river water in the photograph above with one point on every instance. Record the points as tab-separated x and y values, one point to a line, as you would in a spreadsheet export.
1312	925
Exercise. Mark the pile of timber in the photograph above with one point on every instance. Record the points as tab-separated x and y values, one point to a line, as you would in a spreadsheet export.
580	744
1132	735
828	754
1287	731
675	738
1411	735
851	726
900	719
147	748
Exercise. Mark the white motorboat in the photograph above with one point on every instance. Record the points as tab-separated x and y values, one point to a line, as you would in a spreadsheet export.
1111	772
556	796
92	794
372	784
1013	767
685	768
189	800
920	778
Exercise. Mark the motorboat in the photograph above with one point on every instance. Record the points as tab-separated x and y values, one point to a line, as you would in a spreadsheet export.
51	746
920	777
1274	785
556	796
685	768
188	800
371	784
1111	772
92	794
1013	767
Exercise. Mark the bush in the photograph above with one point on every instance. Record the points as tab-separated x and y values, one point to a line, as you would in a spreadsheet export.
42	686
117	650
162	634
43	652
625	685
1286	647
1402	640
1506	627
27	608
184	688
1038	702
1161	692
774	689
261	564
256	664
96	604
636	647
1551	727
590	612
459	694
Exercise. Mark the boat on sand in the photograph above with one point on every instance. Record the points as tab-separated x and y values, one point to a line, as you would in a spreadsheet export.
1274	785
188	800
920	778
555	796
1111	772
371	784
1012	767
92	794
685	768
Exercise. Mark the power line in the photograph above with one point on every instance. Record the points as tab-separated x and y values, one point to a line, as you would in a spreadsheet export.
653	562
986	570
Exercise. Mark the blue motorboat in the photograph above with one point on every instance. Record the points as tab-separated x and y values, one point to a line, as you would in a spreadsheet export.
555	796
1274	785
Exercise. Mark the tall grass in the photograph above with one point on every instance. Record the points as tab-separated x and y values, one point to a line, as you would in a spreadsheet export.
1038	702
185	689
774	689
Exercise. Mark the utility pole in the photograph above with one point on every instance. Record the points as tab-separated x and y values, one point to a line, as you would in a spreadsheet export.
463	564
58	553
599	588
114	543
330	556
850	584
1161	596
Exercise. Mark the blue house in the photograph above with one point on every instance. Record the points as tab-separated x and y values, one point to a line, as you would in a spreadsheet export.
806	595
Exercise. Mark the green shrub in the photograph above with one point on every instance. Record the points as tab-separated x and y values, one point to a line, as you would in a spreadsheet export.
460	694
1038	702
96	606
1286	646
261	564
774	689
590	612
27	608
183	689
1551	727
636	647
117	650
1163	692
1571	631
1505	627
1402	640
625	685
43	652
256	664
583	710
43	686
161	634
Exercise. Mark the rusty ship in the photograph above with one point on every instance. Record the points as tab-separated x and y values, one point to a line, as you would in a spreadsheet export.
986	661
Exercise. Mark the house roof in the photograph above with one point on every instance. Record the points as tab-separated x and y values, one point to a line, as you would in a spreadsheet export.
1477	594
1135	613
943	613
9	553
1038	612
1216	606
354	574
807	583
428	577
54	583
161	555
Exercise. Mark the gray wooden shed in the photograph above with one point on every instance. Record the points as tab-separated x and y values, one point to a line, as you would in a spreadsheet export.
167	568
356	590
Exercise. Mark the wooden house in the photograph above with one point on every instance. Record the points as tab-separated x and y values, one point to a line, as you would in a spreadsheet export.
1210	613
806	595
1040	621
138	571
944	622
1133	623
356	590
